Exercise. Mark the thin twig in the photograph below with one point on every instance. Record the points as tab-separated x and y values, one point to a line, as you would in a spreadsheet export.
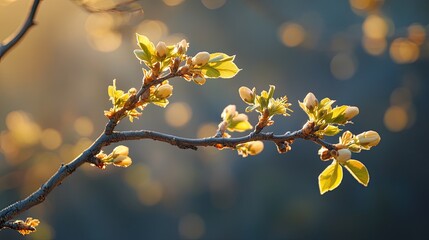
7	44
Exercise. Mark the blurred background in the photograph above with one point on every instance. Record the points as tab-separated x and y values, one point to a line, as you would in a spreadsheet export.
53	89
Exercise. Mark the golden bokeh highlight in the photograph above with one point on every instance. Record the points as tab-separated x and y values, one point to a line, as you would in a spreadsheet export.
404	51
416	34
22	129
343	66
291	34
178	114
6	2
373	46
172	3
137	176
191	226
101	32
213	4
83	126
396	118
401	97
365	5
375	27
155	30
207	130
151	193
51	139
81	145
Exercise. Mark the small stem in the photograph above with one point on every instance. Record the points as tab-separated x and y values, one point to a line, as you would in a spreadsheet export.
6	45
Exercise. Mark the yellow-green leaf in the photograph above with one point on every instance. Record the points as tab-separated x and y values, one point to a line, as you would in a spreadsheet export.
147	46
358	171
331	177
220	65
331	130
240	126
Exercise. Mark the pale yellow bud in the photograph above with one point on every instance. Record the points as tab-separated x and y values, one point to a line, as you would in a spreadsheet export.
255	147
132	91
200	80
202	58
228	112
343	155
182	46
164	91
120	150
351	112
161	49
122	161
310	101
368	139
240	118
246	94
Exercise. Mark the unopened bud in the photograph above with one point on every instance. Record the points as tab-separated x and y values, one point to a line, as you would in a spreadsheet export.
343	155
182	47
164	91
122	161
368	139
132	91
202	58
325	154
246	95
199	79
228	112
161	49
255	147
310	101
120	150
351	112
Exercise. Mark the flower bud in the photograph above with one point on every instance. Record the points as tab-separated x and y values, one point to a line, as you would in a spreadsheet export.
122	161
120	150
161	49
182	46
368	139
325	154
228	112
164	91
202	58
310	101
241	117
198	79
246	95
351	112
343	155
255	147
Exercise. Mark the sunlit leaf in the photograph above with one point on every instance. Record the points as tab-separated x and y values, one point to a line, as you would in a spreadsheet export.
331	130
240	126
331	177
358	171
220	65
147	46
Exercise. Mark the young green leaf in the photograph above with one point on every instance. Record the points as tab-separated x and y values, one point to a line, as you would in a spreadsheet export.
331	177
358	171
220	65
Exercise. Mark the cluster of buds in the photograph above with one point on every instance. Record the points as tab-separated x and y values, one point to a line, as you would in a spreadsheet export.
324	119
234	121
192	70
118	157
265	104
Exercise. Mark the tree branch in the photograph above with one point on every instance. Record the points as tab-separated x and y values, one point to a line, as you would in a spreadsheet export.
110	136
190	143
7	44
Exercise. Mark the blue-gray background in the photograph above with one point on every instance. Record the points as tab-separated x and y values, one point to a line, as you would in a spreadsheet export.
55	75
